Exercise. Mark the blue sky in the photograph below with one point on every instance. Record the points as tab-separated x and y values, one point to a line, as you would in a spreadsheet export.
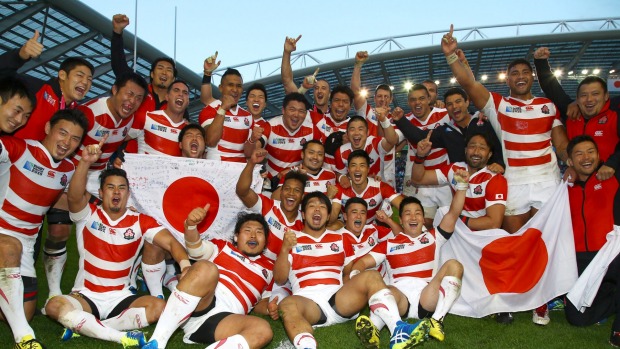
251	30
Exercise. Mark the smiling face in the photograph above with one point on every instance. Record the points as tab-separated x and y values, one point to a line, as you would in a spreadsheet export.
477	152
383	98
126	100
293	115
315	215
584	158
412	219
358	133
591	99
519	79
358	170
114	195
163	75
62	139
251	238
291	195
232	85
256	102
457	106
419	102
192	144
340	106
355	218
76	84
321	93
14	113
313	157
178	98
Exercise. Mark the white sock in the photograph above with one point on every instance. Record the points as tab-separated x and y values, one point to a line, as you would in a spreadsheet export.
232	342
129	319
133	276
449	291
384	306
376	320
170	281
153	276
304	340
54	262
88	325
179	308
12	302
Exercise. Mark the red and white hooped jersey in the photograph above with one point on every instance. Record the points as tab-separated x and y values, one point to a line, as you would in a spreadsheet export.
278	224
101	123
245	277
389	159
370	237
284	147
486	188
524	129
30	182
374	194
260	122
410	257
238	124
373	148
318	181
326	124
368	113
108	249
318	261
438	156
156	133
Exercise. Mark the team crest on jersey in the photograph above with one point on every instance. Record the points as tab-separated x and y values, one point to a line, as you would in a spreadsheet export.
302	141
602	120
371	241
334	247
478	190
545	109
372	202
125	130
397	247
246	122
63	180
423	239
36	169
265	273
129	234
49	99
372	161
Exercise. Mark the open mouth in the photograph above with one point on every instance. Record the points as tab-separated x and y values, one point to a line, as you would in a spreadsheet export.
62	150
357	223
193	146
316	218
179	102
116	201
80	89
127	109
252	244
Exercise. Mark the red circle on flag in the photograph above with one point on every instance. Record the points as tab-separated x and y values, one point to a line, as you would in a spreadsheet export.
514	264
617	83
185	194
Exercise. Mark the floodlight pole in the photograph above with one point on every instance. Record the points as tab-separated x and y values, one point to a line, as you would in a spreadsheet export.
175	33
135	38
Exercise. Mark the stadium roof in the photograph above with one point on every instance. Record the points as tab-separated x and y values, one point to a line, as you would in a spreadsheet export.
70	28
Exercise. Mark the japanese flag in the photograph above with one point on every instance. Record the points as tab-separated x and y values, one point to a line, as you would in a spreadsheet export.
522	271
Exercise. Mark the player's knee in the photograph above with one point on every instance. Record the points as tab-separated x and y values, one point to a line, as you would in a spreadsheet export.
287	307
204	275
58	232
152	254
56	306
154	309
261	334
455	268
10	251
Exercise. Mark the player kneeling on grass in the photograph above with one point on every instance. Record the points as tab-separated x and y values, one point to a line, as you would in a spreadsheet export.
422	289
314	260
109	240
212	307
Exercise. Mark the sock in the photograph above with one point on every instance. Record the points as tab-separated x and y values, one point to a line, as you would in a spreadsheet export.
377	321
153	277
233	342
54	260
178	309
88	325
12	302
133	276
304	340
129	319
170	279
384	306
449	291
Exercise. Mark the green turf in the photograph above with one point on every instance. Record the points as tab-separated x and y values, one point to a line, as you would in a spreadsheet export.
460	332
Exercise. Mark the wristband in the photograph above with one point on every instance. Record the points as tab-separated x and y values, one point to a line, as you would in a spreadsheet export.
385	123
221	111
462	186
184	264
452	58
206	79
302	90
189	227
419	159
464	219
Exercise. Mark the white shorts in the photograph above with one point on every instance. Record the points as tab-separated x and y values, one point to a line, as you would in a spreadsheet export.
321	295
26	266
107	301
522	197
412	289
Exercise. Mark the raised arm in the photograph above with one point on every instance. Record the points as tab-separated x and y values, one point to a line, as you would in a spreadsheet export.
215	130
463	74
419	174
12	60
389	134
282	266
290	45
77	196
117	54
206	90
549	83
244	190
356	79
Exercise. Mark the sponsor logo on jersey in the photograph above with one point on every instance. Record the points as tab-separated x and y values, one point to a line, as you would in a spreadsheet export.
174	131
598	133
603	120
238	255
318	246
101	133
274	223
98	226
278	141
159	128
114	132
334	247
51	174
397	247
36	169
303	248
129	234
49	99
112	231
529	108
511	109
227	119
545	109
598	186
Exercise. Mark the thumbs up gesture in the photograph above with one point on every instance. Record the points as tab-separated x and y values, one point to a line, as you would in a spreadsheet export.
32	48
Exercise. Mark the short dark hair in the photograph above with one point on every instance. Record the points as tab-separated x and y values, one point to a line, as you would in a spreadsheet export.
256	86
297	176
590	79
192	126
455	91
320	196
136	78
517	62
177	82
429	81
406	201
418	87
231	71
245	217
294	96
384	87
487	138
355	200
360	153
342	89
312	141
579	139
164	59
75	116
357	118
70	63
112	172
11	86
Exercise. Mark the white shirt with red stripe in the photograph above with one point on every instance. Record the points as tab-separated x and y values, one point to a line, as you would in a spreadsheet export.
318	181
318	261
238	124
156	133
437	156
370	237
108	248
374	194
369	114
373	148
284	147
30	182
244	278
486	188
524	129
278	224
326	124
101	123
407	257
389	159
